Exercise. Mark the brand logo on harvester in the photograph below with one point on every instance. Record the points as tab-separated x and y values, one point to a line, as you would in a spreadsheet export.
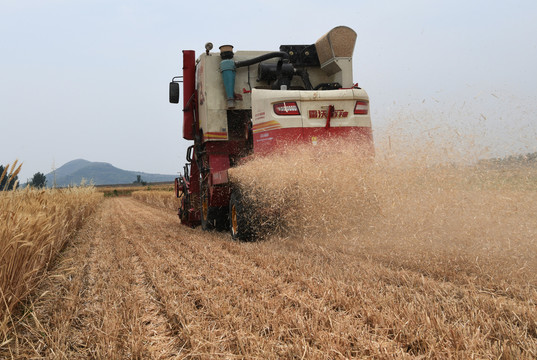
321	114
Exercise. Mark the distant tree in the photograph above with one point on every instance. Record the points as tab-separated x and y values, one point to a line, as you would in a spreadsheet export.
39	180
7	177
529	159
139	180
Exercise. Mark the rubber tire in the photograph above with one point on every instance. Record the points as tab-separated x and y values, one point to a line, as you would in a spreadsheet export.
214	217
221	218
182	211
239	218
206	212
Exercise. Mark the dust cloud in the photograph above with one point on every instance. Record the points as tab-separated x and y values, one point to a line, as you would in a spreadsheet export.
424	200
309	191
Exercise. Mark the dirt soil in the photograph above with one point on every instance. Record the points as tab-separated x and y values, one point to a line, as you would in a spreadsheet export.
137	284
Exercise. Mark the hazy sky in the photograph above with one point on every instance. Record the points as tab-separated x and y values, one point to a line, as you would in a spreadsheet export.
89	78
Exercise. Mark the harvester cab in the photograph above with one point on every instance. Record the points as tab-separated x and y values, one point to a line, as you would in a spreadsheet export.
238	103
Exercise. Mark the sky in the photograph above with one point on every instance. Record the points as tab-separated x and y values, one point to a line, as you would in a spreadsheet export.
89	78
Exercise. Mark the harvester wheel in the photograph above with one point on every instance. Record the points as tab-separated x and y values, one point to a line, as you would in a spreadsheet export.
207	222
212	217
183	212
239	221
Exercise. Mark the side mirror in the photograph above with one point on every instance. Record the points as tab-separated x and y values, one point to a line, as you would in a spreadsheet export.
174	92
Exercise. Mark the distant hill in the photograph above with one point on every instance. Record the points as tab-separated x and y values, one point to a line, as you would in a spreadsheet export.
99	173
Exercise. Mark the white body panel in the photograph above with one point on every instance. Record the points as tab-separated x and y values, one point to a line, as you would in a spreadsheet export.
311	105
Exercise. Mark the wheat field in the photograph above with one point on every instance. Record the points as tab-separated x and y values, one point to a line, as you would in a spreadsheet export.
34	227
404	256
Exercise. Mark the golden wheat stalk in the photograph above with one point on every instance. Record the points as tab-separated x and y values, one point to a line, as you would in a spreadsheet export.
4	173
11	175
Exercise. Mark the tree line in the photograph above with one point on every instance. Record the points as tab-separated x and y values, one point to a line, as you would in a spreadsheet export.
9	178
523	159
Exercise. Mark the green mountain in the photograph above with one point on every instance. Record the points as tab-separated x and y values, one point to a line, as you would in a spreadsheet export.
99	173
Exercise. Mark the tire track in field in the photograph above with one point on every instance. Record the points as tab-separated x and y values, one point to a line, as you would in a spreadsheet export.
119	316
149	329
113	307
156	313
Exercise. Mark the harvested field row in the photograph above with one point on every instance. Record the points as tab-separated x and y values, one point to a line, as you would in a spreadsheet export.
161	198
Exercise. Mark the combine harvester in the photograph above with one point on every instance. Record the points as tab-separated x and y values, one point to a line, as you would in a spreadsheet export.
236	104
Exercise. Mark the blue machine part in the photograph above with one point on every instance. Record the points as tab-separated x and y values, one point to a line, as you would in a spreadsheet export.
227	67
